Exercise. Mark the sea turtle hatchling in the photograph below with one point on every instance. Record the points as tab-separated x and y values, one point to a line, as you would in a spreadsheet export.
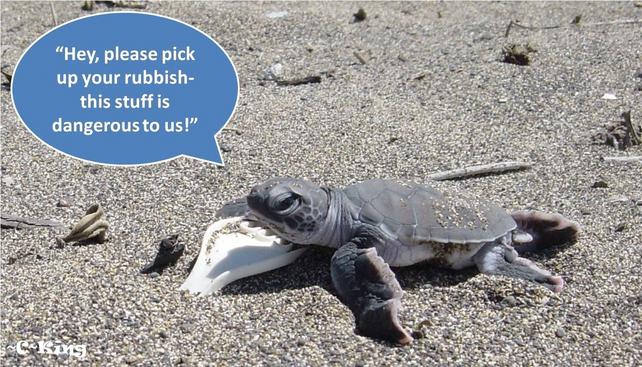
377	224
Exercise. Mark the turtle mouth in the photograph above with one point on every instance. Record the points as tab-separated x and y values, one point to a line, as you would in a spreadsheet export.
279	230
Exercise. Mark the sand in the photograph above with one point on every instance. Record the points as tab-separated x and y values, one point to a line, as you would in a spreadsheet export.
432	95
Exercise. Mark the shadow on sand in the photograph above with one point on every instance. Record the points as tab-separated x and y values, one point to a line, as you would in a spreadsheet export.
313	269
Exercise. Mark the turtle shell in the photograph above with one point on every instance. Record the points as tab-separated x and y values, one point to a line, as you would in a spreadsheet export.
416	214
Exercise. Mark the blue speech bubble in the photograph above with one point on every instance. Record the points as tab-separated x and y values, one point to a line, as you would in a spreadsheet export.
126	88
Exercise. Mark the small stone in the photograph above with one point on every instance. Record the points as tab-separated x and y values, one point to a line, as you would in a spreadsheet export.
88	5
509	301
560	333
60	243
225	148
620	227
63	203
518	54
187	327
8	181
483	37
163	334
360	15
133	359
276	14
274	72
600	185
418	334
154	274
300	342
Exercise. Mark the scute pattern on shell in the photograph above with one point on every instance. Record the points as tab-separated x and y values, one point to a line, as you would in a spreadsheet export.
419	214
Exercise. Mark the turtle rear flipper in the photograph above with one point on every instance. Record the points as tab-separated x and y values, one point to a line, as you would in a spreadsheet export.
544	229
369	288
498	258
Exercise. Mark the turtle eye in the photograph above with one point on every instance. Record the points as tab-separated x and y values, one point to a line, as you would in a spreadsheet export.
285	204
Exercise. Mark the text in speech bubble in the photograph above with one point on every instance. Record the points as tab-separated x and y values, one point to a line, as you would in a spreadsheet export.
126	88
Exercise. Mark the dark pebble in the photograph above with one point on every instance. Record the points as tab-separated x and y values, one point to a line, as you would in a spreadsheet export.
418	334
620	227
360	15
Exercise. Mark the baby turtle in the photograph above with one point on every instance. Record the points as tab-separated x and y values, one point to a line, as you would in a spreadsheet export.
377	224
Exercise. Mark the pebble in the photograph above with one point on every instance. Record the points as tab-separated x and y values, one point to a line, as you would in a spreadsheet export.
8	180
187	327
63	203
620	227
509	301
276	14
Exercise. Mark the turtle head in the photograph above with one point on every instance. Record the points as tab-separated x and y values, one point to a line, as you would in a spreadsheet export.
294	209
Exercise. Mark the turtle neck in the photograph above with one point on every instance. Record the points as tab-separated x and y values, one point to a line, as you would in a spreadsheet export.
335	230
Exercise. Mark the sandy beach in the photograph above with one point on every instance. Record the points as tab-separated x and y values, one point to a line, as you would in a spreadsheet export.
413	89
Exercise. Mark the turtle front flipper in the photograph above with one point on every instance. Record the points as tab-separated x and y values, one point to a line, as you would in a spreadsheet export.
369	288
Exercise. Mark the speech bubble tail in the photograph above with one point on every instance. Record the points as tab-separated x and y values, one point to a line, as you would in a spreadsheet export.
207	152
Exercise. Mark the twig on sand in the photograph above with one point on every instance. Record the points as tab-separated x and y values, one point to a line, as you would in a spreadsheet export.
484	169
634	158
362	59
13	221
53	13
300	81
516	24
